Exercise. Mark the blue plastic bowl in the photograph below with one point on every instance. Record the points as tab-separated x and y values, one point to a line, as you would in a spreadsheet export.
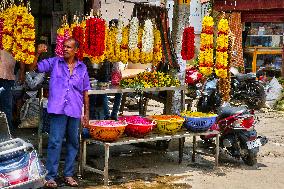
199	124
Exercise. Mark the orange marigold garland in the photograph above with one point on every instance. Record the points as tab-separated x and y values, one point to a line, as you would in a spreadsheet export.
187	51
124	45
206	47
221	66
157	51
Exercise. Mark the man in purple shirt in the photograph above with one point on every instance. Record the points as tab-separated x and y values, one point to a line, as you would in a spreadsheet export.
68	92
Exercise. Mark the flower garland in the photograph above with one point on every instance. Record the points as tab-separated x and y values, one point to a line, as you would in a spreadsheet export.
112	47
187	51
206	46
95	39
147	43
8	27
23	48
119	32
124	45
157	51
221	66
63	33
134	51
78	34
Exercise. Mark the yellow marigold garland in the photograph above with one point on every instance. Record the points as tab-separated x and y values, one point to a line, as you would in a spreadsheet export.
24	35
221	66
157	51
124	45
206	46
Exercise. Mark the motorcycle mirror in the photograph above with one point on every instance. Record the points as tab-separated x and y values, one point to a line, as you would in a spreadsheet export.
234	70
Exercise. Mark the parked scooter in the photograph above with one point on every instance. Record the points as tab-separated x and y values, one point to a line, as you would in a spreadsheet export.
245	89
238	136
20	167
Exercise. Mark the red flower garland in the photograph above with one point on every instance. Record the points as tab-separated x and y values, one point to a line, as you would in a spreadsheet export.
78	34
95	37
1	32
187	51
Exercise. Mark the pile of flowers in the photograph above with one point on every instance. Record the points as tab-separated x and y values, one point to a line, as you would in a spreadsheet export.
221	65
196	114
157	51
149	80
95	39
187	51
206	47
135	120
147	43
167	117
63	33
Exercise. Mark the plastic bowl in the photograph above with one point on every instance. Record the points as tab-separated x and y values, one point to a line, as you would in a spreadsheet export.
168	125
199	124
138	126
106	130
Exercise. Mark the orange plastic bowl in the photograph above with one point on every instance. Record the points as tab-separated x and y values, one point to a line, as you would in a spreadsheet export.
106	130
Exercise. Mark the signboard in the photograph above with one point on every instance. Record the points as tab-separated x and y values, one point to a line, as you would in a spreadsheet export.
184	2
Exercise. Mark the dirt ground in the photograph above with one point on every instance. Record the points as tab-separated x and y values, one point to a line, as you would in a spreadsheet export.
143	166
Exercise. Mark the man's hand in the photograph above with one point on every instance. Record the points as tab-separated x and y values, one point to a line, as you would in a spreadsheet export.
85	120
41	48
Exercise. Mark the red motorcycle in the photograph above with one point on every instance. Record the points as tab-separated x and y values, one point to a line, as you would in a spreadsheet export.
237	133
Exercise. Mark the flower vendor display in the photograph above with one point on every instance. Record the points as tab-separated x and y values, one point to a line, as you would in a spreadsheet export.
124	45
187	50
23	48
149	80
78	33
112	51
134	51
157	51
63	33
147	42
206	46
95	39
221	65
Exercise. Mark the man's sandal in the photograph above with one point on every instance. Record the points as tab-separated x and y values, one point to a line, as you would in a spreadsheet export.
50	184
70	181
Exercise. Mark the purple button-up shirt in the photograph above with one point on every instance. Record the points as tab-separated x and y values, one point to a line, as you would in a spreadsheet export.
65	90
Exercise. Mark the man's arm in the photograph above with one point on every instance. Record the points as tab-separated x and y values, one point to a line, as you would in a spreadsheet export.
41	48
22	73
86	108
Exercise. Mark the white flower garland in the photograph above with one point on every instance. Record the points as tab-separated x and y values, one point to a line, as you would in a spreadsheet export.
148	37
119	31
133	34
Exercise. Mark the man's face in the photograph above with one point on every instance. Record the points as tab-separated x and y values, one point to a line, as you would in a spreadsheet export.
69	49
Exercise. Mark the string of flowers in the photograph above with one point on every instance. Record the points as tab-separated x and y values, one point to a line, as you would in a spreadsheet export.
187	51
206	47
8	27
78	34
63	33
124	45
134	51
23	48
112	47
157	51
147	42
95	39
221	66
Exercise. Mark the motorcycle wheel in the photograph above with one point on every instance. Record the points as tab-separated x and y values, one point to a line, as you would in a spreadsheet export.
257	92
250	158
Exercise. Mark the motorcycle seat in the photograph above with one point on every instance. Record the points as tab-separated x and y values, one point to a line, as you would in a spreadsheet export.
231	110
243	77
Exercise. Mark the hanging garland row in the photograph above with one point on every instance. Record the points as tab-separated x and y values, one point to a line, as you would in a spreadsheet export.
187	50
17	33
206	47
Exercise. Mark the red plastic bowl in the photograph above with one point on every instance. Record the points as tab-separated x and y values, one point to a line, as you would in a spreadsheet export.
138	130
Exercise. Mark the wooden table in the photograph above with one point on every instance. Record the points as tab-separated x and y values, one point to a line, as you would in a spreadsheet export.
151	137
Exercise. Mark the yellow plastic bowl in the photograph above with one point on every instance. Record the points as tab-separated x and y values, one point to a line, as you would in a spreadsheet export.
169	126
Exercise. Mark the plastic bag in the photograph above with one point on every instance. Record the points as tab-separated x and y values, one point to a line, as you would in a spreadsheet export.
29	114
34	79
